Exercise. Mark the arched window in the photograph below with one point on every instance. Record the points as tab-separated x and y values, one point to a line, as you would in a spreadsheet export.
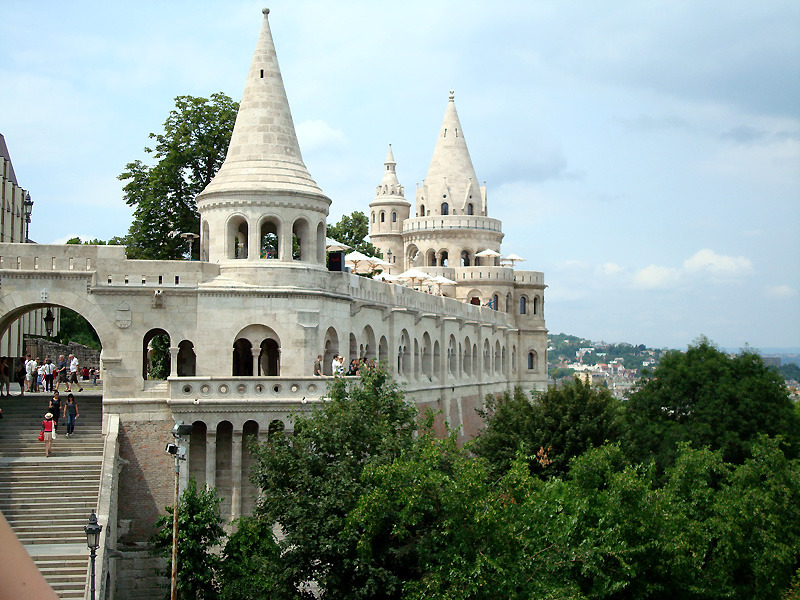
156	362
373	216
523	305
470	209
421	210
444	258
532	361
186	359
394	217
495	302
445	208
536	305
383	217
464	258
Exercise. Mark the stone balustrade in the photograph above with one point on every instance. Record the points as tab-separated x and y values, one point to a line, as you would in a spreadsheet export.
291	389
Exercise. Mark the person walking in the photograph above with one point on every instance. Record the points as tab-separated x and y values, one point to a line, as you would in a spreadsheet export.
73	373
49	371
54	408
70	413
61	372
30	373
5	373
19	375
47	429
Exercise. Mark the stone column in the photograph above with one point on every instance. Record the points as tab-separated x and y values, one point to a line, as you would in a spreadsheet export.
211	458
253	243
173	361
236	474
285	250
256	352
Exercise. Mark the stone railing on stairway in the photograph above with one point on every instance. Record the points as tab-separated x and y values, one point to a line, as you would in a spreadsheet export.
105	576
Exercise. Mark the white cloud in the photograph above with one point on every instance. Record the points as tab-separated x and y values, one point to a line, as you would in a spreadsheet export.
781	291
610	268
655	277
316	134
717	264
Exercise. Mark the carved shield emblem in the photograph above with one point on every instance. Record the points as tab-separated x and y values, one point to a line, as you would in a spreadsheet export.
123	316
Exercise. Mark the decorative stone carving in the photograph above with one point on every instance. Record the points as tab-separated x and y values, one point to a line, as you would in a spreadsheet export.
123	319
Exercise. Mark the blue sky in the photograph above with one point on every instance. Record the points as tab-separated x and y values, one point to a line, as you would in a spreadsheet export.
644	155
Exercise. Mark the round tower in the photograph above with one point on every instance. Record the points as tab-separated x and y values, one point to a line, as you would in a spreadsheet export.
451	226
388	212
263	208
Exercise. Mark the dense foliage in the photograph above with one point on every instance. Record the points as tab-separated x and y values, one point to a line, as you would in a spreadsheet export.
189	153
359	503
199	530
564	348
353	230
707	398
550	429
73	327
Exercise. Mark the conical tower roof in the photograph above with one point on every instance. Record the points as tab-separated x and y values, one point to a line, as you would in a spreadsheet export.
451	165
264	155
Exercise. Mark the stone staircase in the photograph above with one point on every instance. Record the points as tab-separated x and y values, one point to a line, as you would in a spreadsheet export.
47	501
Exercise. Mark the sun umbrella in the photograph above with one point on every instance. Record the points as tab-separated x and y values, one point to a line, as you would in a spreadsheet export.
412	275
512	258
488	253
332	245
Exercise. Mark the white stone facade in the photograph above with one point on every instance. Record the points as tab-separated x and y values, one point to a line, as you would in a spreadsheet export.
246	323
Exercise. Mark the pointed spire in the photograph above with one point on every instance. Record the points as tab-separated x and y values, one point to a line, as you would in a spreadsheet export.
451	166
264	154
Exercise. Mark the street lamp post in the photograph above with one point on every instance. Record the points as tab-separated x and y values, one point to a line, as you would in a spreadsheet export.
93	530
179	431
49	319
190	238
27	205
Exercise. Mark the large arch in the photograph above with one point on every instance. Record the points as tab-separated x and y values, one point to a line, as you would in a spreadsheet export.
187	360
331	349
156	362
383	350
236	238
252	355
301	235
367	346
270	237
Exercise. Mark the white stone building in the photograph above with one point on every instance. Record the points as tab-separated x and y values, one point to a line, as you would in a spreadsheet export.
246	323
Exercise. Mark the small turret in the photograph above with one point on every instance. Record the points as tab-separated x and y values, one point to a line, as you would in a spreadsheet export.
388	211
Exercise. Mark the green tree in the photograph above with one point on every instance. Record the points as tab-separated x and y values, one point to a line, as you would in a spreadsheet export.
189	153
311	481
199	530
550	429
74	328
707	398
247	567
353	230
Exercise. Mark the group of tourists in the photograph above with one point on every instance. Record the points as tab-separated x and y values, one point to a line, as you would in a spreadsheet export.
68	412
35	375
354	369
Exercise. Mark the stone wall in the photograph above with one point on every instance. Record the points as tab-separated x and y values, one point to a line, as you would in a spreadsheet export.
147	478
138	576
39	347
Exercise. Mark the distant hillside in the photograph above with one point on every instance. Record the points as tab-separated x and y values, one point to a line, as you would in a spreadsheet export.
564	348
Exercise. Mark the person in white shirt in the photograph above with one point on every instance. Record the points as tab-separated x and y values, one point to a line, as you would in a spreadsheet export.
30	373
335	365
73	373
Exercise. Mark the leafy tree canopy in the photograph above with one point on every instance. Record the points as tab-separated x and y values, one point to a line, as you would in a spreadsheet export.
74	328
550	429
707	398
353	230
310	482
199	530
189	153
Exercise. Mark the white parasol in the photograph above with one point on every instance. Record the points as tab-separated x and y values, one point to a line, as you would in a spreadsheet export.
412	275
332	245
